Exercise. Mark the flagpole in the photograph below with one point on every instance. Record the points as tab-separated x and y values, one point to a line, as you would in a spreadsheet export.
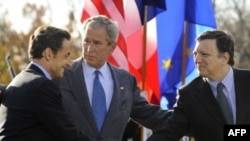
144	56
144	49
184	53
184	59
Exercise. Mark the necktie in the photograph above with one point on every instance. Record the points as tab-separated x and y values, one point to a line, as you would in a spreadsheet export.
98	101
224	105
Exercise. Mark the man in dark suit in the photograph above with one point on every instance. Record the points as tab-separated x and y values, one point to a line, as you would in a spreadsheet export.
122	96
198	107
31	108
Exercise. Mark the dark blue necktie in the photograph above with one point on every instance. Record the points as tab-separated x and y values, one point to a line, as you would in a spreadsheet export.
98	102
224	104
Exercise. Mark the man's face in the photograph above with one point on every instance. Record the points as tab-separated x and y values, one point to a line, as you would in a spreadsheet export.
96	48
208	61
60	60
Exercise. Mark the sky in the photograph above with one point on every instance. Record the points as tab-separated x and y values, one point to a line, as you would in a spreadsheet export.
57	15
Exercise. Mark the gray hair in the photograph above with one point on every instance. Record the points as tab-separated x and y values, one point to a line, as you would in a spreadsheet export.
101	20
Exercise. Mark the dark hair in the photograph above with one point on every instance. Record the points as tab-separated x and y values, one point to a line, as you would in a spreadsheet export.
224	42
46	37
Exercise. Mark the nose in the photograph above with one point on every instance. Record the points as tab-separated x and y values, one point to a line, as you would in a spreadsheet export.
90	47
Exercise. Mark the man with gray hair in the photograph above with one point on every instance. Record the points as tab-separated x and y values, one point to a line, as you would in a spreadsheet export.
118	92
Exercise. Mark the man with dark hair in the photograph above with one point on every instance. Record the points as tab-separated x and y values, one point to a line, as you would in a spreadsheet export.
218	96
31	108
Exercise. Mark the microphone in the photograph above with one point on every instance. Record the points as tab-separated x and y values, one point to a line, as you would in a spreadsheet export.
11	71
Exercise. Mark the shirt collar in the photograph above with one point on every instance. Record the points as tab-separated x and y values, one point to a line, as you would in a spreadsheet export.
227	81
45	72
90	70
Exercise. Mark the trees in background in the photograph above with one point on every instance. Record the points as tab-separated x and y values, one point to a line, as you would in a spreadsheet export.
234	17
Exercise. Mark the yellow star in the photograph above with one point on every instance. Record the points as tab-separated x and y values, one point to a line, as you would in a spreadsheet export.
167	63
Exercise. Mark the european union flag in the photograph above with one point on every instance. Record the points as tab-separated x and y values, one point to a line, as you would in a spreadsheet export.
199	16
154	7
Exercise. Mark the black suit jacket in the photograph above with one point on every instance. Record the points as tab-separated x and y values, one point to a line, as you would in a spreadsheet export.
2	88
32	110
197	110
126	103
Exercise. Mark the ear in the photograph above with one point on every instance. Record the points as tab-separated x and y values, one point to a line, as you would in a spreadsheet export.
47	54
112	48
226	57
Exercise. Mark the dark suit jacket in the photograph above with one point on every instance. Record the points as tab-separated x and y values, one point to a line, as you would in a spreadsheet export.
2	88
126	103
197	110
32	110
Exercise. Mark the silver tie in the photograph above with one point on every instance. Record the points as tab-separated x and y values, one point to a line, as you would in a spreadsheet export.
224	105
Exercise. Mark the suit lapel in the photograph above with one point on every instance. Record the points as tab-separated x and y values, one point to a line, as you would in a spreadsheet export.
80	92
32	67
118	93
207	99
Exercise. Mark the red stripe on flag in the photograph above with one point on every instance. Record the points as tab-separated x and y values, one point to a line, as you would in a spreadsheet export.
122	44
101	8
85	15
119	5
112	60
